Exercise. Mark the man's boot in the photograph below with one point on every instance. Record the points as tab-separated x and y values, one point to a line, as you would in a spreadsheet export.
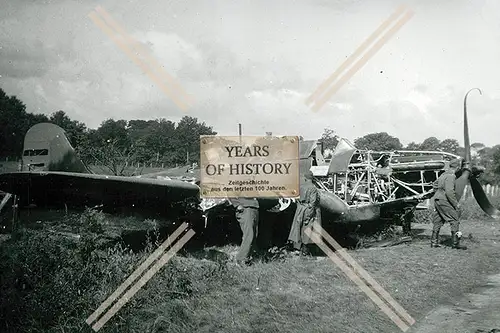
456	241
435	238
305	251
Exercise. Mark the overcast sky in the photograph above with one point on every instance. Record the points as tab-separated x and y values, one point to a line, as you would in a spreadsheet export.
255	63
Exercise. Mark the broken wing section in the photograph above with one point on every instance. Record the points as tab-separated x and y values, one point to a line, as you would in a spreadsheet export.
83	190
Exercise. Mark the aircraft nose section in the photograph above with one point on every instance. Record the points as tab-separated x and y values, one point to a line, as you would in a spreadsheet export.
332	203
477	171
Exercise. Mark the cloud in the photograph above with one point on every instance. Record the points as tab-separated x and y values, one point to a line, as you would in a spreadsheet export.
171	51
30	58
256	63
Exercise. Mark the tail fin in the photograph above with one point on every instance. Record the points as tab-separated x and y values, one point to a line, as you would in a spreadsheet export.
47	148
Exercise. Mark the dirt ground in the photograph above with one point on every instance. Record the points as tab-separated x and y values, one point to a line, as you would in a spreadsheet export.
477	311
444	290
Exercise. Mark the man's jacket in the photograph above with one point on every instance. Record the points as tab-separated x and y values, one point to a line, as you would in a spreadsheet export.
445	189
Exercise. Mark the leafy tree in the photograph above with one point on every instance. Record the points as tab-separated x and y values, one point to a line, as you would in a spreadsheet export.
378	142
14	123
114	131
431	143
449	146
477	146
484	155
138	129
489	158
187	139
112	156
412	146
157	141
329	139
74	129
495	159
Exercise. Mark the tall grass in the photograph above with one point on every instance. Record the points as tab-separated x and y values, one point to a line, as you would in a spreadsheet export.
50	282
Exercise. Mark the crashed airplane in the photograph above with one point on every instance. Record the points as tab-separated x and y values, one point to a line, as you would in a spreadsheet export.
357	187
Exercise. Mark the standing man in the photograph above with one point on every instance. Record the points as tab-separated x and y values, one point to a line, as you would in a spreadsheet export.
308	211
446	206
247	214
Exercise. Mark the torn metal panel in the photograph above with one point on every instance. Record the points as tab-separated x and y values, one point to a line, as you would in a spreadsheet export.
342	156
306	148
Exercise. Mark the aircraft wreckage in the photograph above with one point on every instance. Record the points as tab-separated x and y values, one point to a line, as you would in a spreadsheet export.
357	187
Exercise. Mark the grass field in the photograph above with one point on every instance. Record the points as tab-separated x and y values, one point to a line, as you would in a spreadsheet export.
52	283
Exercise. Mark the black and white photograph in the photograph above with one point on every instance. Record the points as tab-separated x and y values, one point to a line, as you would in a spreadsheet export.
249	166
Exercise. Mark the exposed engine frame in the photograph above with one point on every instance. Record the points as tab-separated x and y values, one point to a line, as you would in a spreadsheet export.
385	176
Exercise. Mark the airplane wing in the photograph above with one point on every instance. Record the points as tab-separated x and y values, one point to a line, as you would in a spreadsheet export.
183	172
116	190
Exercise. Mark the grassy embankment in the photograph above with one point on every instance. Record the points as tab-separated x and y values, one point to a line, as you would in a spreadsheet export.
52	283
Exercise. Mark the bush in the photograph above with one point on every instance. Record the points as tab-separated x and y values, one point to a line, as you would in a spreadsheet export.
52	282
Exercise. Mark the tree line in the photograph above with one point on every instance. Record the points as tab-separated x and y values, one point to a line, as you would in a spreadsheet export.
116	143
488	157
135	141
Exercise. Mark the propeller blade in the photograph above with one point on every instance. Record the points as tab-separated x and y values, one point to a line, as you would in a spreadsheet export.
462	181
467	156
483	200
477	189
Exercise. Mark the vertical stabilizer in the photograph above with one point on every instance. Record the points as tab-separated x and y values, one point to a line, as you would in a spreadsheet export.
47	148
